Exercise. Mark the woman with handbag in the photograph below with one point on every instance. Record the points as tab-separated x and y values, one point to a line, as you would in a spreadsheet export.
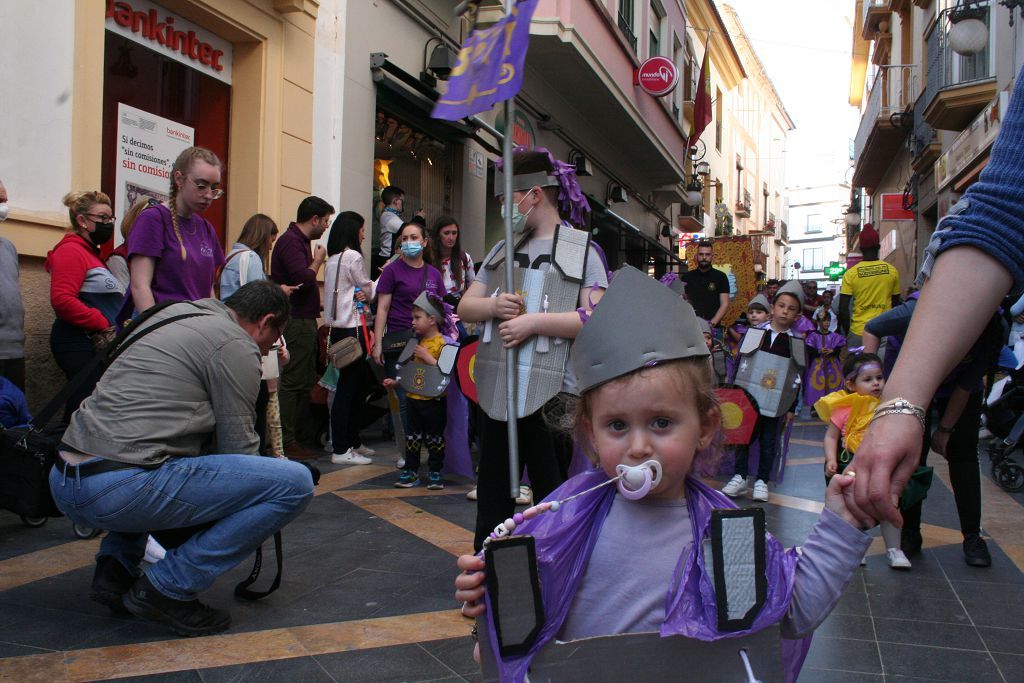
400	283
347	289
85	295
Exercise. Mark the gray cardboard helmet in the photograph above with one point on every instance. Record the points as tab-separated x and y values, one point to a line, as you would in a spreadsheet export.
523	181
793	288
761	300
424	303
638	322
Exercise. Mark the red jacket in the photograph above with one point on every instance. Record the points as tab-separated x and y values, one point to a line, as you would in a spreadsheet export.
82	291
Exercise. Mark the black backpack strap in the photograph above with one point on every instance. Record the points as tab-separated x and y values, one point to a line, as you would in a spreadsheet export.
242	589
102	360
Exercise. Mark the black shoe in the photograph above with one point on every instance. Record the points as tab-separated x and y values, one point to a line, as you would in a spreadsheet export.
976	551
110	582
911	542
185	617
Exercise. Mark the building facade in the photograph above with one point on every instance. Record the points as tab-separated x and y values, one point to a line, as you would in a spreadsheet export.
239	73
929	112
817	235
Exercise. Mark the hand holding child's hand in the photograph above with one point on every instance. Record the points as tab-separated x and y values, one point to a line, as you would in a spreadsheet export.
389	383
839	497
469	585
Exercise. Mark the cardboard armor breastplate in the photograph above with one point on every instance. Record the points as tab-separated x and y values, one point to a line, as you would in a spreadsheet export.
772	380
540	361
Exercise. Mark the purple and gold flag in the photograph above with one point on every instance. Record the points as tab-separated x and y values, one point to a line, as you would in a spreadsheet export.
490	66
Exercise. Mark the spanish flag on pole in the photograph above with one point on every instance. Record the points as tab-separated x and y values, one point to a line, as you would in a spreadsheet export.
702	100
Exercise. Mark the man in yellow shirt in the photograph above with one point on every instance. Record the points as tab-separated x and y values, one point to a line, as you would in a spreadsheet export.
873	285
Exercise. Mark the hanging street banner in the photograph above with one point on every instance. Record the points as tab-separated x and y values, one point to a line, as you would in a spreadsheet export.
490	66
147	146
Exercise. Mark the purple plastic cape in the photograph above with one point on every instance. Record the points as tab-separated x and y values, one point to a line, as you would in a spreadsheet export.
565	539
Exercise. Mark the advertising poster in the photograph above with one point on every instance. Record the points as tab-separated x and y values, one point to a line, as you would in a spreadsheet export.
147	146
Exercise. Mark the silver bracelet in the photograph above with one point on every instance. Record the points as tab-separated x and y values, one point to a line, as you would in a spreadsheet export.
899	406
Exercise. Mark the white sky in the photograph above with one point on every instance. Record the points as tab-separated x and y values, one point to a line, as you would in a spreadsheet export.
805	47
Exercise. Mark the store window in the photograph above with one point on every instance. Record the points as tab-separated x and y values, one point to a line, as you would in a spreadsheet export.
153	82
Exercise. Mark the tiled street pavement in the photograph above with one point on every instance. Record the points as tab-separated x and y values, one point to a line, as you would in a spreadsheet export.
367	595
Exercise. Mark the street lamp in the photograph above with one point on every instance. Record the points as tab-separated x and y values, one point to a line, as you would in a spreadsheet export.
969	34
694	192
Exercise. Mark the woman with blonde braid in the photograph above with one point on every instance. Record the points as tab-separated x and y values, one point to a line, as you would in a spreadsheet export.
174	251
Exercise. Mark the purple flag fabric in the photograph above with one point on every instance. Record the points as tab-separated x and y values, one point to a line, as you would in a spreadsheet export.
490	66
565	539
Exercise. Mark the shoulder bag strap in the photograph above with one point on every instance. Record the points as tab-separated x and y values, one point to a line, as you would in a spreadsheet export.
103	359
242	589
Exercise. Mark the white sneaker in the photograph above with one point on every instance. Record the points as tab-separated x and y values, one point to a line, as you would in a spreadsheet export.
760	491
525	496
364	450
897	560
154	551
737	486
471	495
350	457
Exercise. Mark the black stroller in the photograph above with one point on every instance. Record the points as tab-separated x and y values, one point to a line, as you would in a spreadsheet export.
1004	417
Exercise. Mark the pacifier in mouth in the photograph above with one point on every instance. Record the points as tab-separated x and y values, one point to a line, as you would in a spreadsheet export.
635	482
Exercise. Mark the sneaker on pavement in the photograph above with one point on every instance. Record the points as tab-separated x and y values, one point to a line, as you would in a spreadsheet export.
976	551
185	617
736	486
896	558
760	491
435	482
525	496
350	457
364	450
406	480
472	494
110	582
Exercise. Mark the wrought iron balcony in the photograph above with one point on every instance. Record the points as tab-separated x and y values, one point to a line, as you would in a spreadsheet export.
627	31
885	122
959	86
743	207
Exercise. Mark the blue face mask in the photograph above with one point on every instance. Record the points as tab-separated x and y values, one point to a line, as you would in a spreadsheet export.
412	249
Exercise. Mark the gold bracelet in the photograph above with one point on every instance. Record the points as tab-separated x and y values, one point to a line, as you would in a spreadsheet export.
899	406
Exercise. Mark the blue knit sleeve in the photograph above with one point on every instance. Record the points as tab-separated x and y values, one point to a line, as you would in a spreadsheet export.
990	215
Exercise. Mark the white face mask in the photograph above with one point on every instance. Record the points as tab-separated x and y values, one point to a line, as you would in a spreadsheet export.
3	212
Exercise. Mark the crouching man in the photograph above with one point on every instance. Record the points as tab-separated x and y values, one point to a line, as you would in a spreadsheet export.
167	441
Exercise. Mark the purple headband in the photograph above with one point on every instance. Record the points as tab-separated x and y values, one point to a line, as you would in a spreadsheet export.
570	196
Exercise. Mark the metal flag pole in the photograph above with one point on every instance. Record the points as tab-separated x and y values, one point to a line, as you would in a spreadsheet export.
511	412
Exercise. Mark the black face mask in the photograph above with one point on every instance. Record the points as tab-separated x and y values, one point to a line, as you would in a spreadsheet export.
102	234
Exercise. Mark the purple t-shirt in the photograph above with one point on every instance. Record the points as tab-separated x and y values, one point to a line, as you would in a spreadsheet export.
175	279
404	283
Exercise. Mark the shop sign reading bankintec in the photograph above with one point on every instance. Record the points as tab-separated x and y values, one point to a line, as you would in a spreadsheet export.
171	35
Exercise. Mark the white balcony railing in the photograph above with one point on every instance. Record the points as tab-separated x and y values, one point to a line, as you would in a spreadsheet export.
893	90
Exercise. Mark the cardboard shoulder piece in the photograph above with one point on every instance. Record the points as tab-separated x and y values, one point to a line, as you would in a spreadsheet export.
540	361
735	556
772	380
422	379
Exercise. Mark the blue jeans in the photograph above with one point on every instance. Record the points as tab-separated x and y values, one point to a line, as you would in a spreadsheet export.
248	498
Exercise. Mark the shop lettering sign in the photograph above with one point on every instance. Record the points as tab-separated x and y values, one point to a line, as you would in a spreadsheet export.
156	28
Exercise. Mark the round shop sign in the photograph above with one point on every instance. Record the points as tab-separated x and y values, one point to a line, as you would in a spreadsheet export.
657	76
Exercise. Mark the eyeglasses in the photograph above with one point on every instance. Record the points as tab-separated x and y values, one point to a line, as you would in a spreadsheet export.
100	218
203	187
